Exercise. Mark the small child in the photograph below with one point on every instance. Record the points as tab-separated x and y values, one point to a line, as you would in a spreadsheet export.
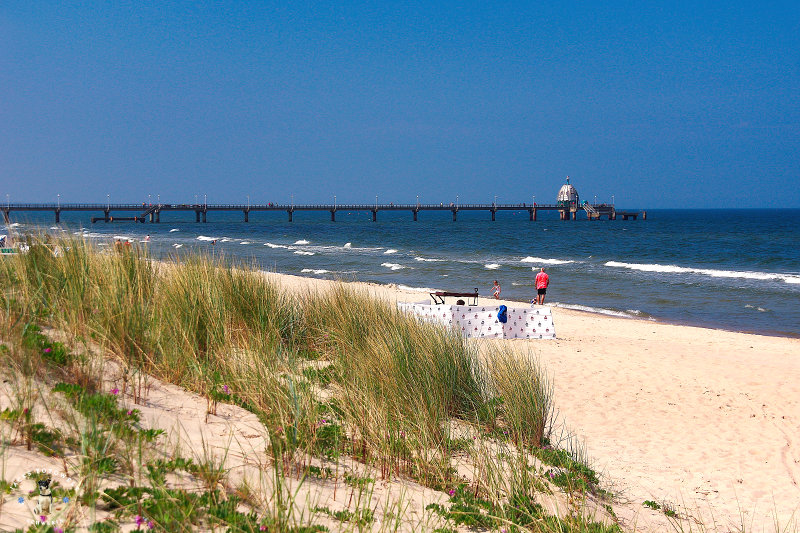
496	290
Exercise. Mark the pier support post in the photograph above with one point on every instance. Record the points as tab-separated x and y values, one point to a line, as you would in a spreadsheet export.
6	219
290	211
374	215
107	215
493	212
455	211
644	215
247	215
58	216
204	215
613	214
415	211
533	214
158	216
197	216
574	215
333	215
152	218
563	214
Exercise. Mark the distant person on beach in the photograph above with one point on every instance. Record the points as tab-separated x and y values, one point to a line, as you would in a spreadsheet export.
542	281
496	290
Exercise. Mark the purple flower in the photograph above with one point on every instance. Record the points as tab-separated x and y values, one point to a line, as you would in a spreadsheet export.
130	412
451	492
42	518
139	520
225	388
58	530
150	524
48	350
115	391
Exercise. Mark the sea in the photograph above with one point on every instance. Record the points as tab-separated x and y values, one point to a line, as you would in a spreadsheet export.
732	269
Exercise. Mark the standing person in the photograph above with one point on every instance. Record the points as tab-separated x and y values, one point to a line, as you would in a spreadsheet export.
496	290
542	281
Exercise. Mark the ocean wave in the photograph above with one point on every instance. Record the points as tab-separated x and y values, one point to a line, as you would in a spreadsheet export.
315	271
675	269
348	245
177	245
303	252
275	245
428	260
204	238
245	242
492	266
416	289
225	239
393	266
301	241
173	230
390	251
633	313
544	261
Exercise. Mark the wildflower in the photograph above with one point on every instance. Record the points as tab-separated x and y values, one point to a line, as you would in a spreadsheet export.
262	528
58	530
150	524
42	518
139	520
48	350
65	499
225	388
451	492
20	500
115	391
130	412
402	433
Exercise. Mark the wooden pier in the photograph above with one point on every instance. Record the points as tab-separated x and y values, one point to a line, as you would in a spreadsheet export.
152	212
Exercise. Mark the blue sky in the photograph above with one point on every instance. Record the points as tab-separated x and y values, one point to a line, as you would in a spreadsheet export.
673	104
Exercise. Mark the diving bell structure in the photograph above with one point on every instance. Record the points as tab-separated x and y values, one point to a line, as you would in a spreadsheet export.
568	196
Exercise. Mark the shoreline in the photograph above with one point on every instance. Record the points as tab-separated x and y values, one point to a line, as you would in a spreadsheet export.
611	313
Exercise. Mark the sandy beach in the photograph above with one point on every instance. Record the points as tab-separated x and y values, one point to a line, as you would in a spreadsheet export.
704	420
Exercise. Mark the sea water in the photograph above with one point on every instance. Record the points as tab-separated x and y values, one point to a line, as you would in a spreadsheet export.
730	269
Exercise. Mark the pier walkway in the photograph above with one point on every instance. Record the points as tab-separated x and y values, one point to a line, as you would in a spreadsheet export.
152	212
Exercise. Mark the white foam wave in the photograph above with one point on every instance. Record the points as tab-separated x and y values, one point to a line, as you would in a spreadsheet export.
177	245
204	238
315	271
544	261
174	230
492	266
245	242
301	241
393	266
390	251
416	289
123	238
428	260
675	269
225	239
275	245
601	311
348	245
303	252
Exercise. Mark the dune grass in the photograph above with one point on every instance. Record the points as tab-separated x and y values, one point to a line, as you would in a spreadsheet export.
329	374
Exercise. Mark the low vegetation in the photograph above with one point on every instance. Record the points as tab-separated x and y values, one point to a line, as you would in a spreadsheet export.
335	378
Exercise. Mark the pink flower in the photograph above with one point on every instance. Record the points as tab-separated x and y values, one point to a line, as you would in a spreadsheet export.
115	391
451	492
262	528
130	412
58	530
139	520
225	388
42	518
150	524
47	350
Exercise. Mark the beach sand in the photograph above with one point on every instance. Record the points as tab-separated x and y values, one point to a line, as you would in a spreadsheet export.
705	420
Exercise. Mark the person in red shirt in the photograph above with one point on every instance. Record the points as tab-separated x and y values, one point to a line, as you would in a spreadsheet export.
542	281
